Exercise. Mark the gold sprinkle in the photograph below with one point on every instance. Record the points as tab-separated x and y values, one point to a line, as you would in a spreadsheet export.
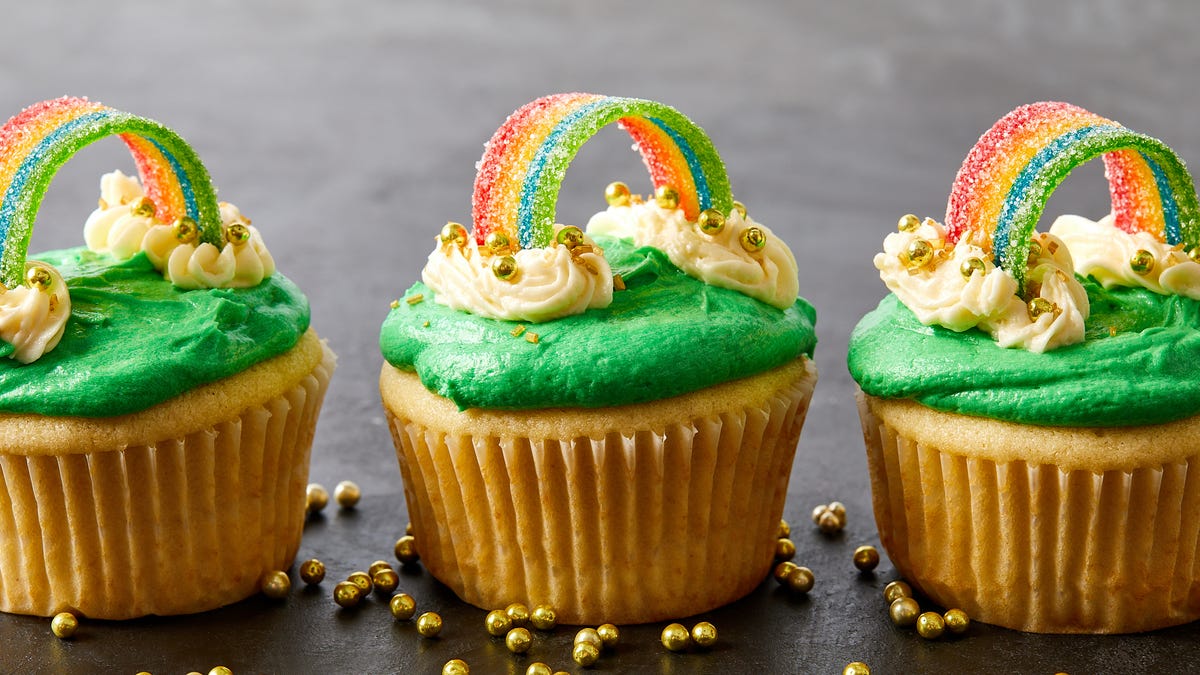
415	299
103	204
395	304
1053	246
516	332
531	337
618	283
425	325
1112	331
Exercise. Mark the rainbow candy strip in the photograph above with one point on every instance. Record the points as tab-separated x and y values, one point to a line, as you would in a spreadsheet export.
1004	182
516	189
40	139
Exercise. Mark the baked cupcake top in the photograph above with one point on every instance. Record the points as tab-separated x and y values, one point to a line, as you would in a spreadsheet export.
172	290
1089	324
658	298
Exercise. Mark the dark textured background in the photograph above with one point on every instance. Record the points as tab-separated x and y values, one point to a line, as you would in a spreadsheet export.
349	132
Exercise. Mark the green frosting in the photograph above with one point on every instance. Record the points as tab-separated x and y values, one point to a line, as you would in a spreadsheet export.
666	334
134	340
1144	374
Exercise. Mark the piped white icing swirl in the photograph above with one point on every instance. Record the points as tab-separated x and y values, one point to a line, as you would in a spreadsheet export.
769	275
938	292
550	282
32	320
1103	251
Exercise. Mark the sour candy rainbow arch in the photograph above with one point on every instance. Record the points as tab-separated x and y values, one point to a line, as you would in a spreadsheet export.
1002	187
522	169
36	142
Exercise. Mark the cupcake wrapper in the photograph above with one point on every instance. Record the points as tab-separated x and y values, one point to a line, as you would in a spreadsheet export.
179	526
1034	547
628	528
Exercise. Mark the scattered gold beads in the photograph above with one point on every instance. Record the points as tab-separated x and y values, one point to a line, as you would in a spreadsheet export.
237	234
378	565
505	268
497	243
908	223
711	222
866	558
362	580
617	194
497	623
667	197
406	550
570	236
785	530
753	239
38	277
856	668
1039	306
675	637
385	580
918	253
538	668
801	580
455	234
1194	254
830	518
590	636
275	585
316	498
518	640
429	624
957	621
740	208
1142	262
543	617
456	667
782	570
143	207
518	613
347	594
704	634
312	571
64	625
784	549
931	625
347	494
586	654
609	635
896	590
220	670
904	612
185	230
402	606
971	266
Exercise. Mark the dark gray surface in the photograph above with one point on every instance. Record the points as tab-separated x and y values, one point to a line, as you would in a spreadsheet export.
349	131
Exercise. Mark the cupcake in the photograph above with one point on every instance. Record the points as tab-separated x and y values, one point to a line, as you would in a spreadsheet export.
602	421
159	386
1029	400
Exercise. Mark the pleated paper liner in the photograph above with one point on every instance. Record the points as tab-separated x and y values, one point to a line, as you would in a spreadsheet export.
1041	544
172	527
649	520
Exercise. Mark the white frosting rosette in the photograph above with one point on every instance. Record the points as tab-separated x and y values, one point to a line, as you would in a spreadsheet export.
32	318
1103	251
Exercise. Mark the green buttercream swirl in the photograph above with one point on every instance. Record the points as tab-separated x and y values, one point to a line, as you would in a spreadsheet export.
134	340
1144	374
666	334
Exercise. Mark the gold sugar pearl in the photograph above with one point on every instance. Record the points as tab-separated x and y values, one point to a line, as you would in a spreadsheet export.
782	570
1039	306
704	634
617	194
454	234
785	549
586	654
1194	254
505	268
402	606
38	277
753	239
904	612
972	265
931	625
590	636
539	668
818	512
429	624
456	667
908	223
316	498
518	640
497	243
829	523
563	672
785	530
801	580
740	208
347	594
711	222
543	617
220	670
362	580
666	197
866	558
497	623
347	494
918	253
64	625
957	621
378	565
143	207
609	635
838	509
518	613
675	637
569	236
1142	262
896	590
237	234
312	571
385	580
275	584
406	550
185	230
856	668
